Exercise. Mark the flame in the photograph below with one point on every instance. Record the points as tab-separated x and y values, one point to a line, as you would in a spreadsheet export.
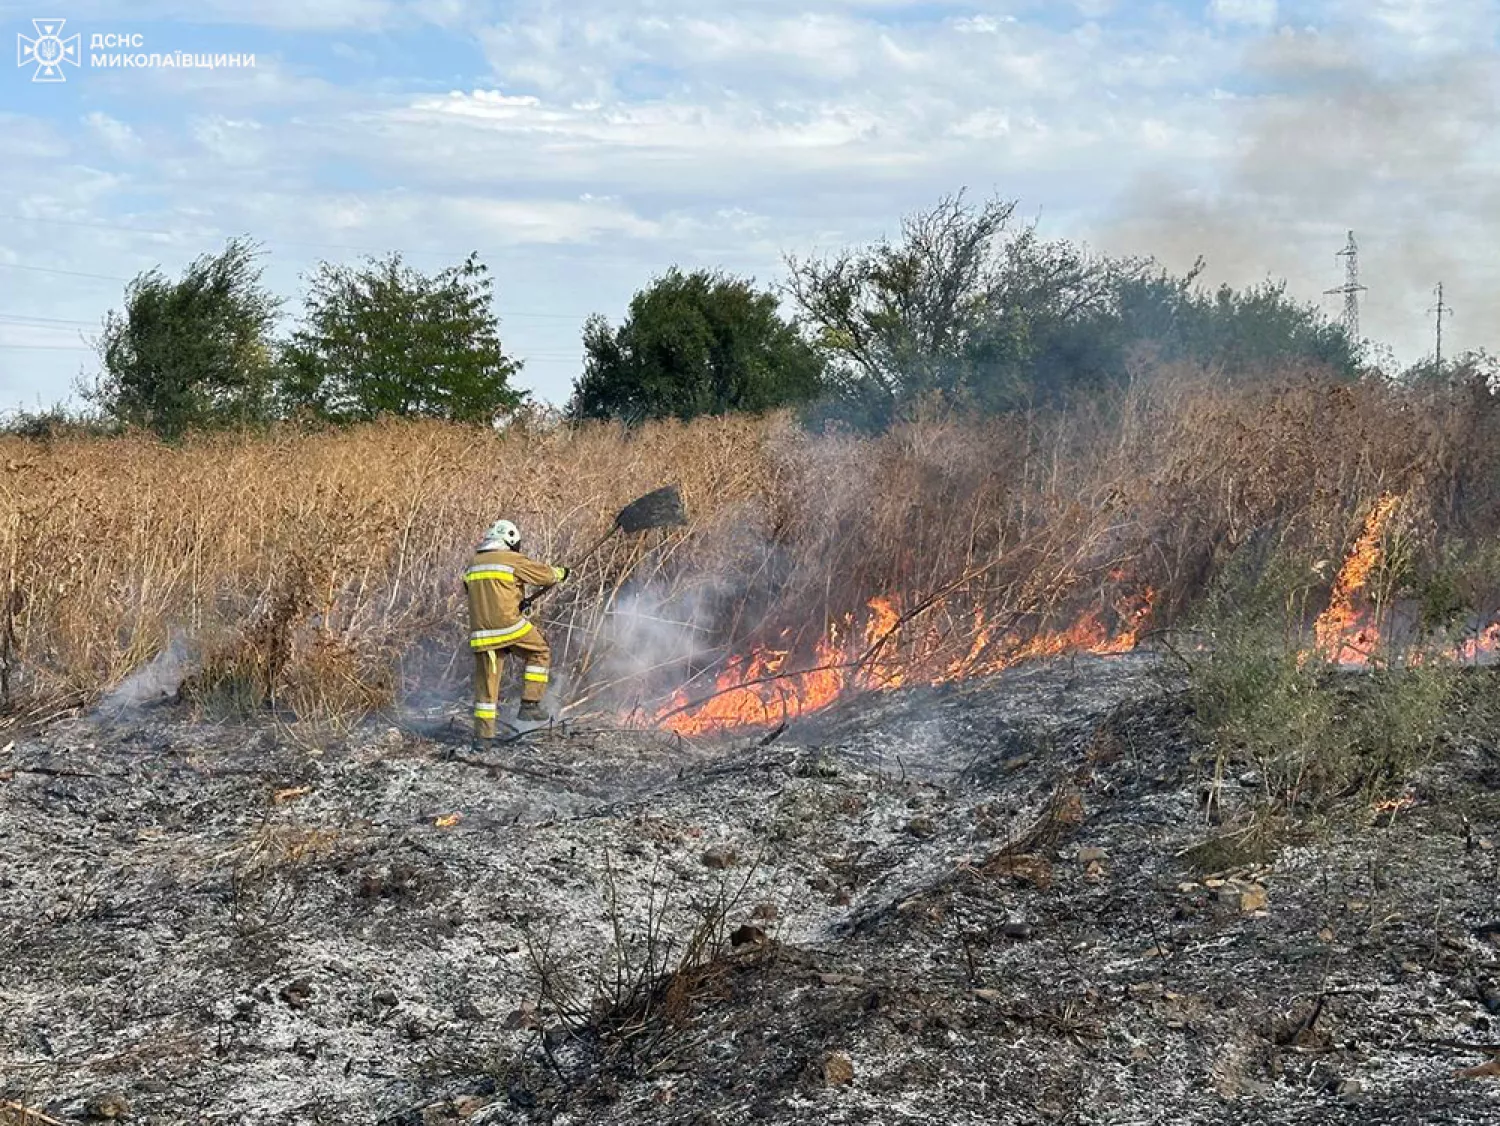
1347	634
1475	649
448	820
880	630
1342	634
761	690
757	693
884	650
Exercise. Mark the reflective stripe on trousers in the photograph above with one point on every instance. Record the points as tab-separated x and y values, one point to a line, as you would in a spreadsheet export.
486	687
485	638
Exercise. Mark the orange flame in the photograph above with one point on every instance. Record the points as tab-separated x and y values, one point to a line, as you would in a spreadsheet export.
1343	634
1477	648
1346	634
888	651
760	691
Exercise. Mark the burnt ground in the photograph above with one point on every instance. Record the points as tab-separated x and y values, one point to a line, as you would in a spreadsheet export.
973	905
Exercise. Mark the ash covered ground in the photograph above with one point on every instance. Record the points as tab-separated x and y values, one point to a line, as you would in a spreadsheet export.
979	904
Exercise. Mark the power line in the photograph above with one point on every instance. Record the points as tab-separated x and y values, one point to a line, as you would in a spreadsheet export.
273	241
24	219
544	357
504	314
28	319
53	270
83	223
270	241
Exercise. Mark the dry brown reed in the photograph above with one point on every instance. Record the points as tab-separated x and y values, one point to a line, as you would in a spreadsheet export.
320	571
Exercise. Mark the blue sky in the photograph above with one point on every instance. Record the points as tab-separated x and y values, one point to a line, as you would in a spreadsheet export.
584	146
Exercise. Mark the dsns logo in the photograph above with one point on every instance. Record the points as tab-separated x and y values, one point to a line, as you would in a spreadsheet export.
48	51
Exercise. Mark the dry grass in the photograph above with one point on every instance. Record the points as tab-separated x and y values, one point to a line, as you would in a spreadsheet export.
661	961
18	1114
319	571
302	568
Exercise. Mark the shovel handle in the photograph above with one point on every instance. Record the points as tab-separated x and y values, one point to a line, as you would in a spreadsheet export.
527	603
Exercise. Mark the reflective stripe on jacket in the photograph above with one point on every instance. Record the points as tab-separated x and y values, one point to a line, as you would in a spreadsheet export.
496	580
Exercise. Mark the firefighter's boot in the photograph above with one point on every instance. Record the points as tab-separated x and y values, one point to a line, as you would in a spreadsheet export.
533	712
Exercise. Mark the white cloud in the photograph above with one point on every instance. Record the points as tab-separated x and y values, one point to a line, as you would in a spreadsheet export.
116	136
1256	13
981	25
28	140
482	221
351	53
230	141
576	138
596	55
1427	25
74	192
271	84
983	124
304	15
286	15
607	144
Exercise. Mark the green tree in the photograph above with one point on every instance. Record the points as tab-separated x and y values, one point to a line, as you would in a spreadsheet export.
693	344
962	305
898	319
1261	327
1243	331
1052	326
387	339
190	353
968	307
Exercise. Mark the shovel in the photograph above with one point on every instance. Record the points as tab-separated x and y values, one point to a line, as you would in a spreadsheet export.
661	508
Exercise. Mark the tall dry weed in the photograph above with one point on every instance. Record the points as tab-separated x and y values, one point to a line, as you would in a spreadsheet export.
320	571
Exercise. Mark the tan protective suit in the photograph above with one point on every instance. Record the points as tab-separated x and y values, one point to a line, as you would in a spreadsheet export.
496	581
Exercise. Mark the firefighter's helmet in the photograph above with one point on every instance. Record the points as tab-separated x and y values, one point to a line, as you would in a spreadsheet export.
503	532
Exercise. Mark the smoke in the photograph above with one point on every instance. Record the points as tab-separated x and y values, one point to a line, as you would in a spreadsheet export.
154	682
758	572
1333	132
675	622
649	633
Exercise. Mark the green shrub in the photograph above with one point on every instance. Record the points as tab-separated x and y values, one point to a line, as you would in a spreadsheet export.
1308	732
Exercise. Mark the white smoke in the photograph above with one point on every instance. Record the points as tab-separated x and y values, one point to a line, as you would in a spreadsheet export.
155	681
667	632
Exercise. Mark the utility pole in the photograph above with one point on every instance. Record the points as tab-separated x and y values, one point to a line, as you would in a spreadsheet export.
1351	289
1440	311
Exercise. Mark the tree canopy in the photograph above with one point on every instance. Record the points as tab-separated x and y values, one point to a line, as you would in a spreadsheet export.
963	304
694	344
966	305
191	353
386	339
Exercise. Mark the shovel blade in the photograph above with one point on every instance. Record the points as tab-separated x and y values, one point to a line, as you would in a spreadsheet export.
662	508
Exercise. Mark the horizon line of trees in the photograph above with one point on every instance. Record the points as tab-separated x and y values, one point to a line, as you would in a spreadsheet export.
964	305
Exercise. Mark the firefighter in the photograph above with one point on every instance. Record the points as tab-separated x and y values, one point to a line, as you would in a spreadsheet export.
496	580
